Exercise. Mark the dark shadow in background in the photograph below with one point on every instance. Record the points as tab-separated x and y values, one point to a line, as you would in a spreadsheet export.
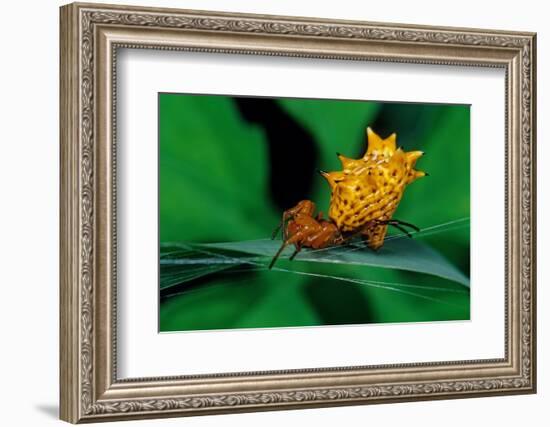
413	122
293	154
384	123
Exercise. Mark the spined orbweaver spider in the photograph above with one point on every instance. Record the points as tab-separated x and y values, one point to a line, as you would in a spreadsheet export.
364	197
304	230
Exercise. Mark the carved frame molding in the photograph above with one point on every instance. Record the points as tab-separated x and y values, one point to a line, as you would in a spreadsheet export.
90	37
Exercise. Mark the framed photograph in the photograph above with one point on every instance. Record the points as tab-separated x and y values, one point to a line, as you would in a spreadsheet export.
266	212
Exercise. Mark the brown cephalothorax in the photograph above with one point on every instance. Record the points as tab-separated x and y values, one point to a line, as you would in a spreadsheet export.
364	197
302	229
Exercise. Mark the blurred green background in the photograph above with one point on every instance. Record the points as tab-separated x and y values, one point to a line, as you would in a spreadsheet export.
230	166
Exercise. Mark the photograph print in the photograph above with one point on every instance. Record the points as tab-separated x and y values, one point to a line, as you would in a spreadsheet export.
286	212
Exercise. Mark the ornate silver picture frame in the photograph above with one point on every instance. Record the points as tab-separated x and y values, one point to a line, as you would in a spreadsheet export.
90	388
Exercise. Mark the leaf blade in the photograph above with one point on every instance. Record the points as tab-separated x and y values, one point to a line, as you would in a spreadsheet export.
400	253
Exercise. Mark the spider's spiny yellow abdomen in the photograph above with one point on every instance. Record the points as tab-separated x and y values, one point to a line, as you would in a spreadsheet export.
369	189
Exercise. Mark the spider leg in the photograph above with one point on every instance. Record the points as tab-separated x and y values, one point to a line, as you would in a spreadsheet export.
298	249
276	231
286	216
399	227
406	224
272	263
357	232
292	240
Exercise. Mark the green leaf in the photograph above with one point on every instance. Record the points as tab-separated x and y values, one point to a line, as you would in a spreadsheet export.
397	253
195	297
213	171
